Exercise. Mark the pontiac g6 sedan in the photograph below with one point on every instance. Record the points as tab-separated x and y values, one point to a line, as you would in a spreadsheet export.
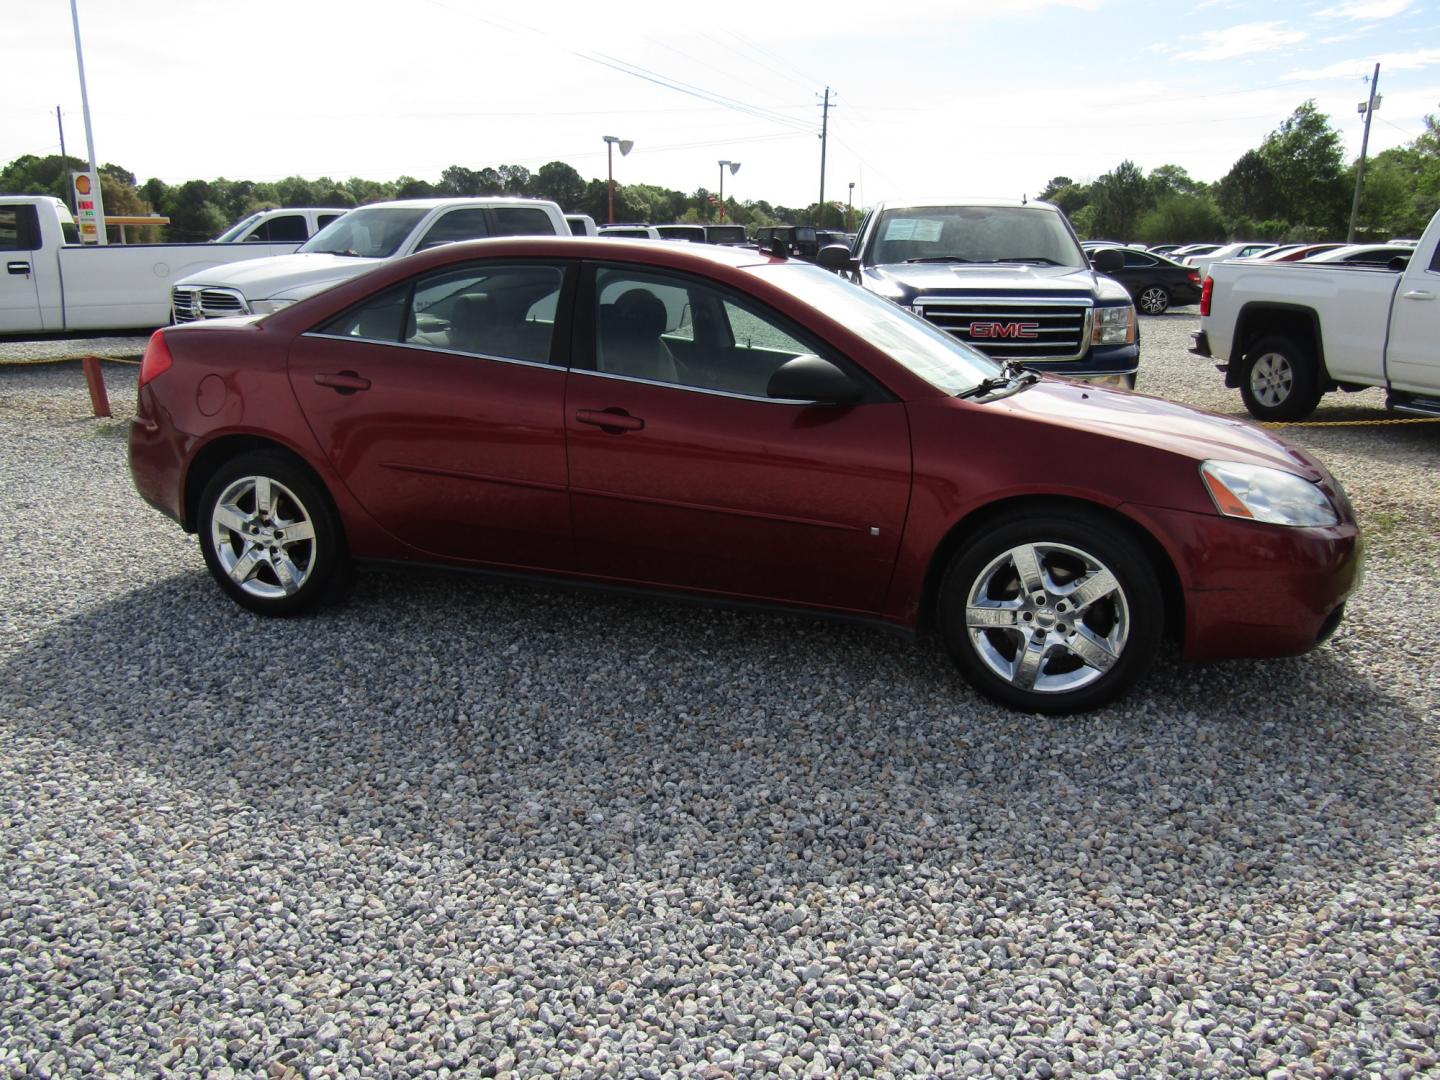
733	425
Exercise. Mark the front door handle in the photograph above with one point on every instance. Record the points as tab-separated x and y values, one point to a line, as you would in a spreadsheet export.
342	382
612	421
18	268
1419	294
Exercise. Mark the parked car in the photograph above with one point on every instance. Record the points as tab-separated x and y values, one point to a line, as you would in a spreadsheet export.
732	235
695	234
1364	254
1178	254
739	427
290	225
1163	249
632	231
1296	252
1242	249
1156	283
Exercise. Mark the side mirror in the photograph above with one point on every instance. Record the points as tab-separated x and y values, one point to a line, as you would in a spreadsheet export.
837	257
1106	260
810	378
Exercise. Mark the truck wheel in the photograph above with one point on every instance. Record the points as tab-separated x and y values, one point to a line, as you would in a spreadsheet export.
1279	381
1153	300
269	534
1052	612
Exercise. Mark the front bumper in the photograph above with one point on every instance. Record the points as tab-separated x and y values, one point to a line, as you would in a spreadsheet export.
1255	590
1105	365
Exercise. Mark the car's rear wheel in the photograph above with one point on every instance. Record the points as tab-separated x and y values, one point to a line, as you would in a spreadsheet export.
1051	612
1279	382
269	534
1153	300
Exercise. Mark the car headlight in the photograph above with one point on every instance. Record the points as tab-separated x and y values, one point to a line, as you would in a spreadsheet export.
1114	325
1263	494
269	307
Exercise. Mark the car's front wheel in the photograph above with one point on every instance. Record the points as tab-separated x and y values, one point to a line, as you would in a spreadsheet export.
1153	300
1051	612
269	534
1279	382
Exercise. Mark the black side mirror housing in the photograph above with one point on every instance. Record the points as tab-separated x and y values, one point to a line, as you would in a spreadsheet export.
837	257
1106	259
811	378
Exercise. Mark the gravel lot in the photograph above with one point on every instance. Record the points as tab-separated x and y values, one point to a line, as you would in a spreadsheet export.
453	828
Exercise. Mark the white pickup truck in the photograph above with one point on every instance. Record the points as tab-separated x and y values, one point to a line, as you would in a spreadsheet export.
285	225
52	284
1287	333
361	240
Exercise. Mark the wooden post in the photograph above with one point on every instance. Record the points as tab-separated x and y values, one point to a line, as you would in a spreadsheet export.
95	380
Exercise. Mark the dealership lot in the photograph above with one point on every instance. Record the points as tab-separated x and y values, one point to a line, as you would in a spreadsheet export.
453	824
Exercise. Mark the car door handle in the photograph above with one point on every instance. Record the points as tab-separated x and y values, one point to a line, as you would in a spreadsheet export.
1419	294
612	421
18	268
343	382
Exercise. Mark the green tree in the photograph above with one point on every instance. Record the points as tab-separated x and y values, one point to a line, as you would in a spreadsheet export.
1181	219
1250	189
1167	180
561	183
1119	198
1305	158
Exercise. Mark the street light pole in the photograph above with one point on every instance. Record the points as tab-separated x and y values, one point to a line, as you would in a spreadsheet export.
734	168
850	209
625	146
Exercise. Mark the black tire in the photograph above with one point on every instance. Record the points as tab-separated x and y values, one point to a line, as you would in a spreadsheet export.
270	534
1153	300
1075	663
1278	380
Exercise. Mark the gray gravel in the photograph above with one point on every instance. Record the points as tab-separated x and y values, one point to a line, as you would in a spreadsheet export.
457	829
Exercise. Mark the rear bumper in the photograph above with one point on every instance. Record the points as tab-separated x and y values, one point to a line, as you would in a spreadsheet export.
1257	590
156	466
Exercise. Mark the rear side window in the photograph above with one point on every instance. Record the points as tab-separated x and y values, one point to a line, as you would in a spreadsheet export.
19	228
521	221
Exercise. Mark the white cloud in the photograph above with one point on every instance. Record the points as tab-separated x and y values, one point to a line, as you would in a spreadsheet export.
1367	10
1345	69
1242	40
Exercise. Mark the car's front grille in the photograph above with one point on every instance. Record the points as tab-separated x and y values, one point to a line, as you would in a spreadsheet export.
1013	329
188	304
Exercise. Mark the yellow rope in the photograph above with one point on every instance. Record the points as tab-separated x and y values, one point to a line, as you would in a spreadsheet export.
1352	423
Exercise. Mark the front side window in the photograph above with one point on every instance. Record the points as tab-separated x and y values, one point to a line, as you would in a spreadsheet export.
18	228
369	232
290	228
673	329
465	224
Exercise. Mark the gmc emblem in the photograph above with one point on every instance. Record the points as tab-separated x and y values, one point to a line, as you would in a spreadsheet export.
1024	330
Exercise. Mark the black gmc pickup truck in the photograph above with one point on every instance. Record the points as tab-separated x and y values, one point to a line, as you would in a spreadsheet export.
1006	276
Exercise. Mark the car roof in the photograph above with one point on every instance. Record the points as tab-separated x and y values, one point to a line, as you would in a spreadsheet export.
435	203
960	200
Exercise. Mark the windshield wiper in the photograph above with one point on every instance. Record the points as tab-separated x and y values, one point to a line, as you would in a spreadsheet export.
940	258
1030	259
1013	374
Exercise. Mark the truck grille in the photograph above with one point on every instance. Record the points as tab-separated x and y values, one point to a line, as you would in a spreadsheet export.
1011	329
189	304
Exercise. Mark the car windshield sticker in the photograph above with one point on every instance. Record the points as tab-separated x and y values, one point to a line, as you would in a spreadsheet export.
924	229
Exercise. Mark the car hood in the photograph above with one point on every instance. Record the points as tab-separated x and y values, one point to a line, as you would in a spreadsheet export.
292	276
958	279
1154	422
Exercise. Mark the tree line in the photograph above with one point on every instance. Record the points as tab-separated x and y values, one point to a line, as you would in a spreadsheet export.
1295	186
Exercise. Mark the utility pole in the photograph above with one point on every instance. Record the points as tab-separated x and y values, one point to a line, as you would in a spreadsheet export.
1368	108
824	132
69	189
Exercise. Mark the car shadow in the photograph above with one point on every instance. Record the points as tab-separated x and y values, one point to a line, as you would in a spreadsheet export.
439	713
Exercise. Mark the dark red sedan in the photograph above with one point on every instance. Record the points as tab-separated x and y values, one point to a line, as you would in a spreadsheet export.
729	424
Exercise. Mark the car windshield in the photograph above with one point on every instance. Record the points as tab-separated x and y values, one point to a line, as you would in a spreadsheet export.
941	360
235	230
370	233
973	234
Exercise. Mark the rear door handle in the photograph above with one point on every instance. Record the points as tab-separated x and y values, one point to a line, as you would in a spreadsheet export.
1419	294
612	421
18	268
344	382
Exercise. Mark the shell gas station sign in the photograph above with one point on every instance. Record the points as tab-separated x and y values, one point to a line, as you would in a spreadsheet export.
87	214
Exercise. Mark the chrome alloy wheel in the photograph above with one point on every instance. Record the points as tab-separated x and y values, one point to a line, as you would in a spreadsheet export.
1048	618
1154	300
263	537
1271	378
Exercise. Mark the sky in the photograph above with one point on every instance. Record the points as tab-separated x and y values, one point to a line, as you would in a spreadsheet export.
942	98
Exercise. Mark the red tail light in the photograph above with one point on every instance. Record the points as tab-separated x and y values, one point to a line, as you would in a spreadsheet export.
157	359
1205	291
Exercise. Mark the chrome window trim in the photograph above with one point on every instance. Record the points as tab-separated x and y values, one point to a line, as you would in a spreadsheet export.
691	389
420	347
